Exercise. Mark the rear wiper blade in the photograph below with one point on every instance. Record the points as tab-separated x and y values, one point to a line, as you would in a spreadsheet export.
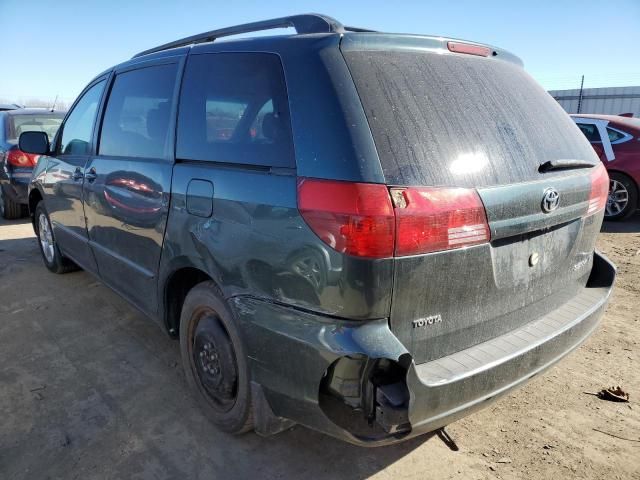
564	164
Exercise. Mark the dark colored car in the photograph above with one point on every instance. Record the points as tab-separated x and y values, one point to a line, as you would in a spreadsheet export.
15	165
369	234
616	140
9	106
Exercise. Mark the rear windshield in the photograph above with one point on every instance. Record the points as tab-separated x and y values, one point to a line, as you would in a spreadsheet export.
48	123
460	120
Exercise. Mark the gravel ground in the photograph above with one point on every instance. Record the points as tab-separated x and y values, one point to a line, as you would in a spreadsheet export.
89	388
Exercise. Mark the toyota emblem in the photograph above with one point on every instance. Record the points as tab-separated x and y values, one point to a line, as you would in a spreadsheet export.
550	200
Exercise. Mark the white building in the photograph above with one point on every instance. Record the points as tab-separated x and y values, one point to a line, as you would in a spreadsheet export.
610	100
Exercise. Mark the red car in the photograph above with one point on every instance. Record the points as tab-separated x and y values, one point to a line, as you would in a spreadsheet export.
616	140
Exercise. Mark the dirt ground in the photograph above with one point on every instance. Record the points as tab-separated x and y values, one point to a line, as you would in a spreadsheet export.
89	388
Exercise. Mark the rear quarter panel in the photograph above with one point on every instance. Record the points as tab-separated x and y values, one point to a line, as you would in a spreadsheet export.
627	156
255	243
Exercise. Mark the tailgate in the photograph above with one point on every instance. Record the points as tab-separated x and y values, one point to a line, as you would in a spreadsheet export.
450	120
447	301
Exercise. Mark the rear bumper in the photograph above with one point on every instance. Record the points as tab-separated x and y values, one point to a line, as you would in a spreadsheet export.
448	388
291	351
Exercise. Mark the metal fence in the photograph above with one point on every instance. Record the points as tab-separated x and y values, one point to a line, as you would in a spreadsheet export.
609	100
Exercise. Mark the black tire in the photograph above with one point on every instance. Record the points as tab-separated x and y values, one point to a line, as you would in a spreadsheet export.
215	360
9	209
57	262
621	183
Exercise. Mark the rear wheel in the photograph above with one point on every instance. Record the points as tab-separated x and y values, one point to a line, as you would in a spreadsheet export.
51	255
9	209
214	359
623	197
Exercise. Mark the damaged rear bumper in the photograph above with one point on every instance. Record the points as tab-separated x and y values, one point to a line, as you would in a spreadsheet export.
357	382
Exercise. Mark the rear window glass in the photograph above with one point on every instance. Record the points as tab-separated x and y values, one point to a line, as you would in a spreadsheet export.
460	120
47	123
233	109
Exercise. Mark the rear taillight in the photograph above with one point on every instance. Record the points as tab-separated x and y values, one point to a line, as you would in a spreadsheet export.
599	189
352	218
360	219
432	219
18	158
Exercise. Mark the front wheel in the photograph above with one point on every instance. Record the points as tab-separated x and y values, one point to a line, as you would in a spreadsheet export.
53	259
623	197
214	359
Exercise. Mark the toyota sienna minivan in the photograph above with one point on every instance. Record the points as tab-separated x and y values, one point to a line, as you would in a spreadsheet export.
369	234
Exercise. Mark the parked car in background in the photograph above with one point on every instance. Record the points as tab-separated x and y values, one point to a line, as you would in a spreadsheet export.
9	106
398	234
616	140
15	165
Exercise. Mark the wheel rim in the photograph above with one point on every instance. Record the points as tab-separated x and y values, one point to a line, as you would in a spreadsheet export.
46	237
618	198
214	362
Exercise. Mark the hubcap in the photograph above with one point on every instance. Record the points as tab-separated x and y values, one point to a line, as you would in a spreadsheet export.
46	237
618	198
214	362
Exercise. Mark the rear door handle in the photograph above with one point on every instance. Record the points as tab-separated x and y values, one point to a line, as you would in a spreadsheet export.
91	175
77	174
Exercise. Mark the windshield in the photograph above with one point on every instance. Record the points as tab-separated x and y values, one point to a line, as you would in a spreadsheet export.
40	122
460	120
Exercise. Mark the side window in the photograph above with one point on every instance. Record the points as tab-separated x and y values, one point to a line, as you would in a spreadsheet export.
234	109
615	135
76	132
257	131
590	131
223	117
138	113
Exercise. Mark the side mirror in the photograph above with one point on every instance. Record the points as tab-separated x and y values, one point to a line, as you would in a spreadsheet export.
34	142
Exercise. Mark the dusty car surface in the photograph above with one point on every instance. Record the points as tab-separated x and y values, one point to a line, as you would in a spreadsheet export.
616	140
368	234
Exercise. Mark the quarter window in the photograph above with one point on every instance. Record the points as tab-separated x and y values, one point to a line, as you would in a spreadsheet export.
138	113
615	135
233	109
76	132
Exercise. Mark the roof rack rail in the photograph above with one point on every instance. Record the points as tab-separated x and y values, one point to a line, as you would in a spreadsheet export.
306	23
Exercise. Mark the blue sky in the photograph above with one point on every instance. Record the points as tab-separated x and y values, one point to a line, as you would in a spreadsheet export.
51	48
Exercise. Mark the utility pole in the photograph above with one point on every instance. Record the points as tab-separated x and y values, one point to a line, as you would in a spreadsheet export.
580	94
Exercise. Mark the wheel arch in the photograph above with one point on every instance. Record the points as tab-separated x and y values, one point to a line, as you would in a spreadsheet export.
633	195
625	174
35	197
175	288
